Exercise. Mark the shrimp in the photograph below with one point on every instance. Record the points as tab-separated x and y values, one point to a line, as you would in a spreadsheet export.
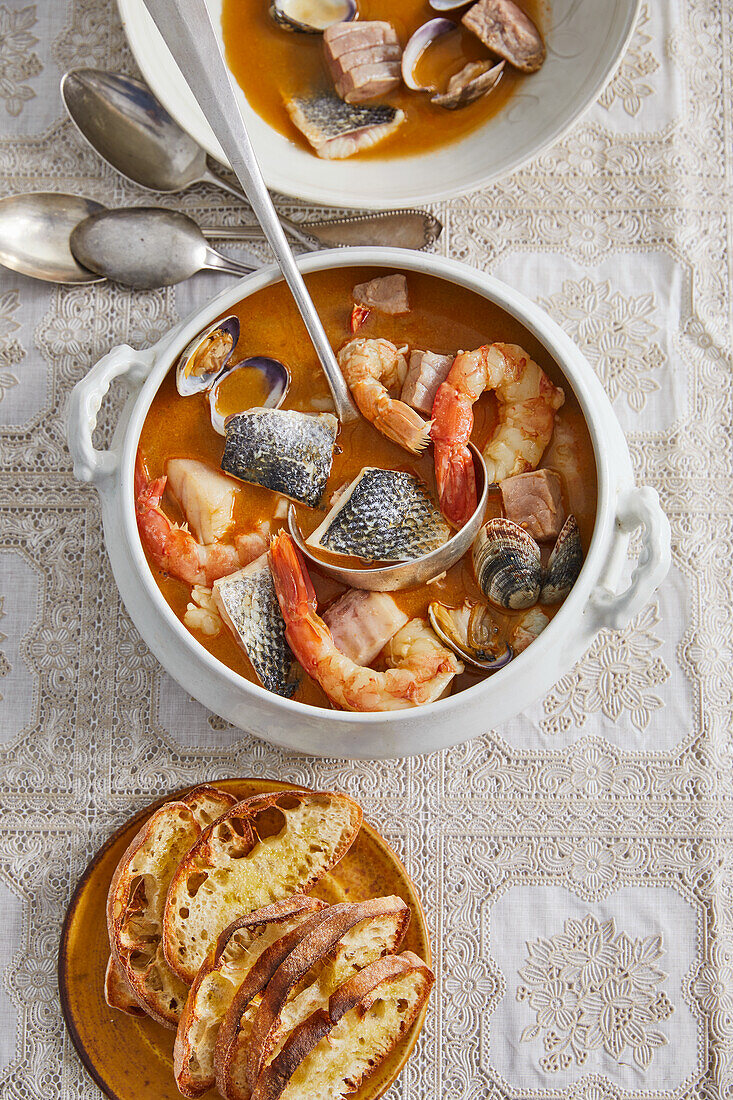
422	668
370	367
176	551
527	402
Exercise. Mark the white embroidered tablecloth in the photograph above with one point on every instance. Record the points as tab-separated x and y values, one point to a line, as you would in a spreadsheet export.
576	865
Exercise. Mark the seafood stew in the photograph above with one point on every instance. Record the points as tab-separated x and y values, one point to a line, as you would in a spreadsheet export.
345	78
218	546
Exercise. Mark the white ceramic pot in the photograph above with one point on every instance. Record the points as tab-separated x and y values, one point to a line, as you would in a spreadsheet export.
593	603
585	40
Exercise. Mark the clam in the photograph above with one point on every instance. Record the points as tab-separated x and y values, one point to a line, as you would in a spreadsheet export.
203	360
507	564
312	16
275	376
564	565
474	80
479	645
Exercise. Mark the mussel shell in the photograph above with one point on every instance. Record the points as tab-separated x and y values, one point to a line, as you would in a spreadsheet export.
188	382
276	375
566	561
312	16
452	625
460	94
417	45
507	563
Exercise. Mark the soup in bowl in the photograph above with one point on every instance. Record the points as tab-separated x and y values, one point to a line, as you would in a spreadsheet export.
208	559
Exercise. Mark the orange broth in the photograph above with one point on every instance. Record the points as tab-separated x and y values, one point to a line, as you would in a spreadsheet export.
271	64
443	318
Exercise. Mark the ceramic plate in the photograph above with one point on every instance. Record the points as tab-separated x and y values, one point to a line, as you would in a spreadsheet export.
585	42
130	1058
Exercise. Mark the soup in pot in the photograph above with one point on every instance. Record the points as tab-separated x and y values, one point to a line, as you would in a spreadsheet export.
243	427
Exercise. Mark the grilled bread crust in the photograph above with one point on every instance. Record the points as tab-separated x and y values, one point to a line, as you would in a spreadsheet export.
208	803
118	991
248	1032
135	905
136	901
229	871
226	966
333	1051
373	928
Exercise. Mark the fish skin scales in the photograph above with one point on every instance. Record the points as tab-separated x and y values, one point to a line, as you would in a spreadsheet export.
384	515
249	603
283	450
337	129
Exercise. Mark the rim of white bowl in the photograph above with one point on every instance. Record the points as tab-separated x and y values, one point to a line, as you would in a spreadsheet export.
534	319
331	196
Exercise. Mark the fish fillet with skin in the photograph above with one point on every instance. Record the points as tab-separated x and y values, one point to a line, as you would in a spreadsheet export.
337	130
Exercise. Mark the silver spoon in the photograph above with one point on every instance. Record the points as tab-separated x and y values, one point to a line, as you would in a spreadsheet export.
147	247
195	50
34	235
131	130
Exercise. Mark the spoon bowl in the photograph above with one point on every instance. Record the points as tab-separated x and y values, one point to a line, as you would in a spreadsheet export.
34	235
147	247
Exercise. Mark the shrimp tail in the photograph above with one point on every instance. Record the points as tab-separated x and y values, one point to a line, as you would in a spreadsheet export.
398	422
150	495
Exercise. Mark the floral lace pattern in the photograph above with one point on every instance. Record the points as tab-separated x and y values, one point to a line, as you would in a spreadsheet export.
615	333
591	986
18	62
611	803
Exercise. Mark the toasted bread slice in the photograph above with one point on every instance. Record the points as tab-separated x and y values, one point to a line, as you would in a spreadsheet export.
208	803
118	991
135	906
348	938
225	968
332	1052
260	851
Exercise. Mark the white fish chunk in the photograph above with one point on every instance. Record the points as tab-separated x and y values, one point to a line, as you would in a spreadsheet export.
386	293
427	371
337	130
206	497
247	603
363	622
507	31
284	450
384	515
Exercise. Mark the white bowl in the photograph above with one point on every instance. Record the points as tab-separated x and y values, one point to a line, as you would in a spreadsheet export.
593	602
585	42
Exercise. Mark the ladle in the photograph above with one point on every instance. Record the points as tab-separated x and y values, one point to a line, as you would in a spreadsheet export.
405	574
195	50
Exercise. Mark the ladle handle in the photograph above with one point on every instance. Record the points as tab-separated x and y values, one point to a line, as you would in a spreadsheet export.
295	231
189	35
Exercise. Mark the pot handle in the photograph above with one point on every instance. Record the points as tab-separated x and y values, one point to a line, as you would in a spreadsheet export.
86	399
639	507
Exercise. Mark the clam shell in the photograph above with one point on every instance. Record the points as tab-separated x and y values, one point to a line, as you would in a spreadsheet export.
474	80
566	561
312	16
453	627
206	356
277	377
507	564
416	46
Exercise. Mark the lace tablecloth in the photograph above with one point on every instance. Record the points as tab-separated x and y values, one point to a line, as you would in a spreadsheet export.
576	865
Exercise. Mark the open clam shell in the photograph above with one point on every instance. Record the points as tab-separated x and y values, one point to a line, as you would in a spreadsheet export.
564	565
508	565
276	378
312	16
475	79
206	356
453	627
